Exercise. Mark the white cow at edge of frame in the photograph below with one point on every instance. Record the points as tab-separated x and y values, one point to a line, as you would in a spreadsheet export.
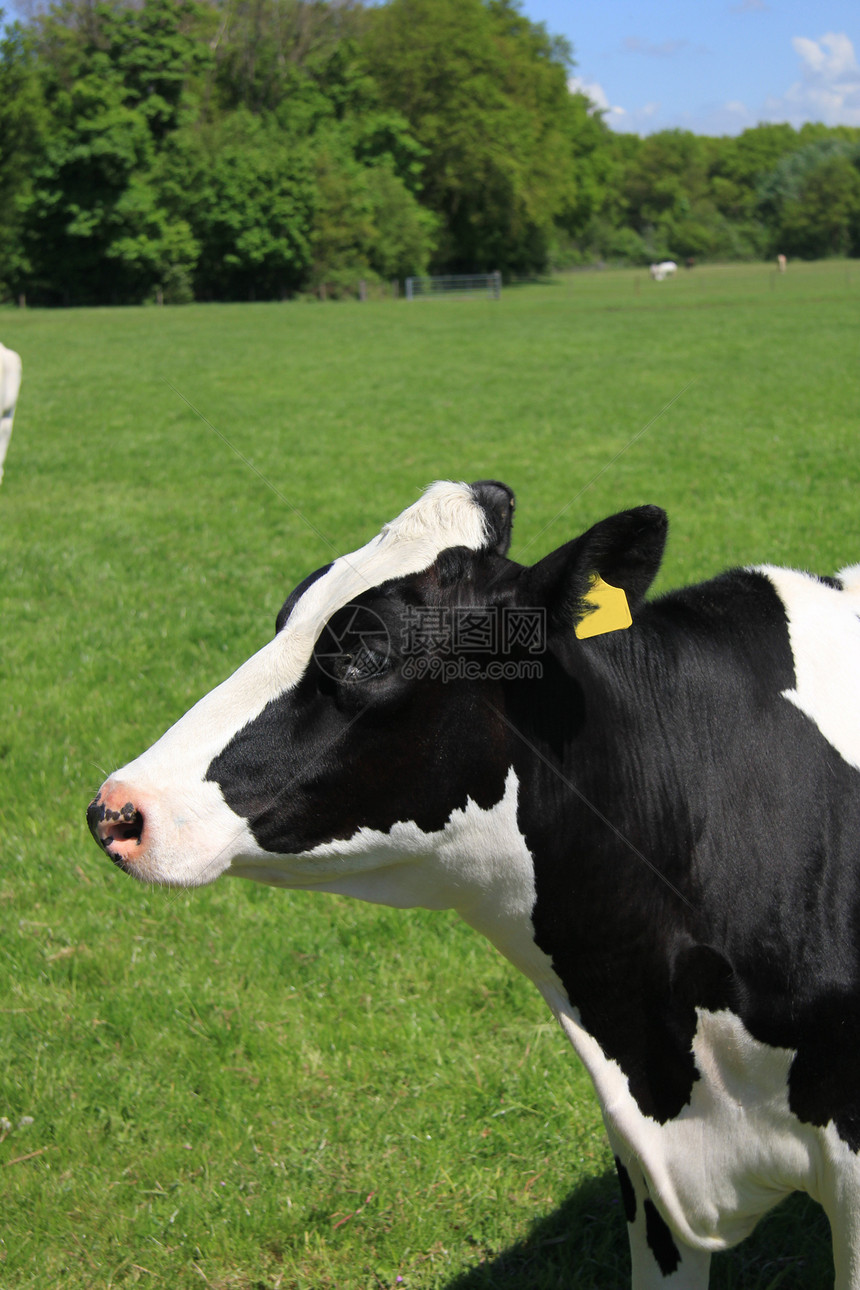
10	384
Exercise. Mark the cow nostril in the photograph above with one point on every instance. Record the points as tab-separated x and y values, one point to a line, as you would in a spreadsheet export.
129	825
110	826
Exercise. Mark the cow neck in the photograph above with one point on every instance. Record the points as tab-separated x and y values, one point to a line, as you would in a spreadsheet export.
609	907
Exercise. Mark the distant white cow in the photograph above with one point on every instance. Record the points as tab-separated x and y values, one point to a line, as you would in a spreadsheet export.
10	384
662	270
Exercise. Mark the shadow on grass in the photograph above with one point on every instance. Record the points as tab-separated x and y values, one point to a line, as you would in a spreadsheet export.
583	1246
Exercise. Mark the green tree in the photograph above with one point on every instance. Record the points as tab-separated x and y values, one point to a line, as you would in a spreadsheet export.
93	225
740	163
248	198
299	69
592	166
666	191
404	232
75	212
823	217
25	128
808	200
367	223
298	53
485	94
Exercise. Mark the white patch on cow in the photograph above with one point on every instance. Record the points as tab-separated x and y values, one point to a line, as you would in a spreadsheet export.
10	385
193	833
735	1150
478	864
850	579
824	630
184	827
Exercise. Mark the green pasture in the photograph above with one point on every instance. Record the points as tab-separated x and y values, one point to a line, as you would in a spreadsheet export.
244	1087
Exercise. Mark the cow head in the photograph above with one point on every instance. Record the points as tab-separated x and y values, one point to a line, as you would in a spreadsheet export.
366	749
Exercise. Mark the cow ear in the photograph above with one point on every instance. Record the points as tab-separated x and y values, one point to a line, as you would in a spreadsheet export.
497	502
595	583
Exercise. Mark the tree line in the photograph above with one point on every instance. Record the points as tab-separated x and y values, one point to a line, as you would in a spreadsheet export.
241	149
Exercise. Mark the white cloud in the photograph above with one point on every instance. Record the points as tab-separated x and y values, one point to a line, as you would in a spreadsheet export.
639	120
832	56
594	91
829	88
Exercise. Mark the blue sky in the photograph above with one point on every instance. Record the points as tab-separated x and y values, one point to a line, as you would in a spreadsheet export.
715	67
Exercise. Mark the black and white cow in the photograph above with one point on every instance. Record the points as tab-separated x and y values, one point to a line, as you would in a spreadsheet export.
659	825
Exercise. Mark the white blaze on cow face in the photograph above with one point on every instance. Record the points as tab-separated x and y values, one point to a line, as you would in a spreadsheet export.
188	835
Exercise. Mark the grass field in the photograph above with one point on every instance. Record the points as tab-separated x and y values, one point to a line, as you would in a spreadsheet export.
244	1087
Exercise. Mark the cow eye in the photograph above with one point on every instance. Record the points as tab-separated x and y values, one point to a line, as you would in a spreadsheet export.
364	664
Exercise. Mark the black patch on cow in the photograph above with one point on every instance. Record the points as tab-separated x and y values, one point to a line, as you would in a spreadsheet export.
660	1240
453	566
628	1194
348	748
702	977
498	504
824	1081
695	844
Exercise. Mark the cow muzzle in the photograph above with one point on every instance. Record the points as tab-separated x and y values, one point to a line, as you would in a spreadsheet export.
181	834
118	823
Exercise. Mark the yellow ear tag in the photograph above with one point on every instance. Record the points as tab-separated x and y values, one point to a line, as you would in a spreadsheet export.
608	610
